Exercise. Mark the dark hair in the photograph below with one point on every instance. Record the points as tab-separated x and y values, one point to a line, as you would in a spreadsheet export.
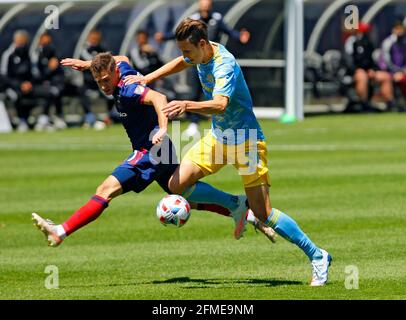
102	62
192	31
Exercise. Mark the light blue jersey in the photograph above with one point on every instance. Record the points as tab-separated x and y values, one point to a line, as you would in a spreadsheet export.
223	76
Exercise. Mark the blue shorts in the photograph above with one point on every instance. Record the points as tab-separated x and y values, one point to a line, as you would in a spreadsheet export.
140	169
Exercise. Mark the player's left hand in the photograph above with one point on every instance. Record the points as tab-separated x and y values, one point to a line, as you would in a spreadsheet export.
174	108
159	136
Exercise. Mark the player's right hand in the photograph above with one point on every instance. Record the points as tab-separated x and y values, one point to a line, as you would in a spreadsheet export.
138	79
76	64
159	136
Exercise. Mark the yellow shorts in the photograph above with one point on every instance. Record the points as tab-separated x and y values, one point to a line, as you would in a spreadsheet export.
249	158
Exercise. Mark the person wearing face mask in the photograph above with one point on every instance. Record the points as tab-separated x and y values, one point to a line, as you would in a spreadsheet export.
365	71
394	57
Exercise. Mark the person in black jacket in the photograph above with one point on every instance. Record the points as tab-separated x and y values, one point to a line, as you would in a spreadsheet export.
16	65
51	76
215	28
215	23
145	59
364	69
93	47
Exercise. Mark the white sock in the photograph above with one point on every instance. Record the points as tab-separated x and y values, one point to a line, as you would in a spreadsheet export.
60	231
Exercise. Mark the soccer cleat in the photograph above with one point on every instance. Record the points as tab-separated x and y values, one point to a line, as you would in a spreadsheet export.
320	269
240	217
48	228
267	231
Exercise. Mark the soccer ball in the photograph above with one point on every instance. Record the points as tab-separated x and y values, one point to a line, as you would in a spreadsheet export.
173	210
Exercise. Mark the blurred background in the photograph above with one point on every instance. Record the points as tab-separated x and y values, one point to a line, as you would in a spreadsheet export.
298	57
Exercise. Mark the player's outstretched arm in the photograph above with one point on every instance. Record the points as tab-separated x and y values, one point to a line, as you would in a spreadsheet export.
76	64
158	100
176	65
216	106
83	65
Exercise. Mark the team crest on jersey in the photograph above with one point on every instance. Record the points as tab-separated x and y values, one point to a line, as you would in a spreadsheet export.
210	78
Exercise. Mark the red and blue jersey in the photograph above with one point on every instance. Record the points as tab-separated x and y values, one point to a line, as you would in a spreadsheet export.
138	119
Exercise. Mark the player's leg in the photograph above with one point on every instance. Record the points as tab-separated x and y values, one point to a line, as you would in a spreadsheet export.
200	161
169	171
125	177
256	183
258	225
285	226
184	181
55	234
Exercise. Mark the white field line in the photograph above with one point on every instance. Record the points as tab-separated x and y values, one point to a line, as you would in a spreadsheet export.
127	147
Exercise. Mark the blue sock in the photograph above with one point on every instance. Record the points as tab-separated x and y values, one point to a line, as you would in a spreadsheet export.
288	229
202	192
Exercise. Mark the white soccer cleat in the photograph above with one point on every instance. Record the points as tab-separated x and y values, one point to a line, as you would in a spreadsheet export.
240	217
320	269
48	228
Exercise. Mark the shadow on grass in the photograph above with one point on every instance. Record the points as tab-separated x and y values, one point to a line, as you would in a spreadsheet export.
202	283
207	283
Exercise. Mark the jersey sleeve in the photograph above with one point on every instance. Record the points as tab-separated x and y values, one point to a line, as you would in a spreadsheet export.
126	69
225	80
134	91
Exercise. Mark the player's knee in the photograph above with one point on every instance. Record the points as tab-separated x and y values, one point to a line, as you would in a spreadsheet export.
106	191
175	187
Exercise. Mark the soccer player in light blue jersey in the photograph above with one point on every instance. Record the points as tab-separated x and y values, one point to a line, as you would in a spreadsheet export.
235	136
146	128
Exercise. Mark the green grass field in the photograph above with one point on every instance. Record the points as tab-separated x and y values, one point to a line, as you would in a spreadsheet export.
343	178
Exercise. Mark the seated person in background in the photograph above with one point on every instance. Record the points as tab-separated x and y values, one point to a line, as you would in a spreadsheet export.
216	27
146	60
92	48
17	67
51	76
360	48
394	57
144	57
